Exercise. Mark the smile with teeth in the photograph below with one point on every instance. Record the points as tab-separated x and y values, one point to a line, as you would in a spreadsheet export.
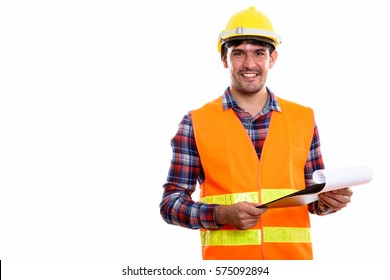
249	75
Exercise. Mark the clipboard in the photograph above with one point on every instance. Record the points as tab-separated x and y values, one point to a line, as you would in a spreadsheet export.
325	180
297	198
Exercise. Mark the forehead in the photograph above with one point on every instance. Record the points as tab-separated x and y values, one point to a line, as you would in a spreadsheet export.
248	46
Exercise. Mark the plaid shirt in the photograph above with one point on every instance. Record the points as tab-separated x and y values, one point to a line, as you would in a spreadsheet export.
178	208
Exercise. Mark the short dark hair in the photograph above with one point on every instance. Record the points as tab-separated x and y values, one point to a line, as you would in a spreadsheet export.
236	42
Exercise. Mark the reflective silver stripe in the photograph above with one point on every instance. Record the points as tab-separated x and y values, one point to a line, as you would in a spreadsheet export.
284	234
239	31
253	236
230	237
267	195
229	199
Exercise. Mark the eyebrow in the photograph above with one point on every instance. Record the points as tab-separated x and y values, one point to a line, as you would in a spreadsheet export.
260	48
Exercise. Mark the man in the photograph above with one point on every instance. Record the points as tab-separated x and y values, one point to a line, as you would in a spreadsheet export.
246	148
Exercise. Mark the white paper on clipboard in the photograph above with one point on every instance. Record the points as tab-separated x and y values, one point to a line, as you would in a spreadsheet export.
326	180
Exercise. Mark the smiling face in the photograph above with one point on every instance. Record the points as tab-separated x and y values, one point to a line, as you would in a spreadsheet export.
248	65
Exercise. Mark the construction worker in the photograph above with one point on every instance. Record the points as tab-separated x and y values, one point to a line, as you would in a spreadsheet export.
246	148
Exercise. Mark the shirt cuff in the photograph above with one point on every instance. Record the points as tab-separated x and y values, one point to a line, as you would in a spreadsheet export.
207	218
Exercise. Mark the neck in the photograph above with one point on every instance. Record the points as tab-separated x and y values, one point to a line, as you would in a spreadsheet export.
252	103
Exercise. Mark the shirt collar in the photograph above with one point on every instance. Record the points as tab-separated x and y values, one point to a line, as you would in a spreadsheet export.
229	102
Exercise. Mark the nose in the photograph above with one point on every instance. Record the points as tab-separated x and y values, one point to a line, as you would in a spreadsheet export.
249	61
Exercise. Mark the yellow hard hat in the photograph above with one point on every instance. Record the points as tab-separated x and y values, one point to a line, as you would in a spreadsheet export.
249	23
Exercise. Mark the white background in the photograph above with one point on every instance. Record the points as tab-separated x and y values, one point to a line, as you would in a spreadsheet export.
91	93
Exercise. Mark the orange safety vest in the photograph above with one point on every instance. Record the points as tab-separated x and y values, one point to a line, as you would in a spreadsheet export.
233	173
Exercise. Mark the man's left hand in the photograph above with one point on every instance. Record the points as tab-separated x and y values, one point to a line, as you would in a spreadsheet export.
336	199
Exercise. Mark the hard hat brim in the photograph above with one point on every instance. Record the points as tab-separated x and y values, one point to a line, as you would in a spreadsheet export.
249	37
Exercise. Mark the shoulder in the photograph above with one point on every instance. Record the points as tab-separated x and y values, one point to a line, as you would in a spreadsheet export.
208	109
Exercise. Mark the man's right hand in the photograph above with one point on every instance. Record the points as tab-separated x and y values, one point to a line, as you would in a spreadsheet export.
242	215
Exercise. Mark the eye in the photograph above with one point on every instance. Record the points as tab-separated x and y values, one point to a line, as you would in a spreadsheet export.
238	53
260	52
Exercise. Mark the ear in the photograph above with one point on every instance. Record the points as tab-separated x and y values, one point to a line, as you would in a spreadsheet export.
224	60
272	59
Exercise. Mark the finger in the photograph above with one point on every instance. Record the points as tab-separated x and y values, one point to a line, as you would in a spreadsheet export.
346	191
253	210
257	212
248	222
335	202
255	204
